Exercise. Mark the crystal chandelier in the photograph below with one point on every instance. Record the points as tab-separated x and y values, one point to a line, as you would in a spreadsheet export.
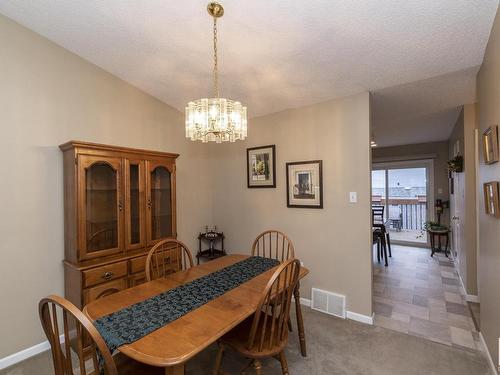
216	119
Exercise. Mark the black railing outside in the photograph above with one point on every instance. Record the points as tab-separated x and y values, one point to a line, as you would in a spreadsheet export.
414	215
411	216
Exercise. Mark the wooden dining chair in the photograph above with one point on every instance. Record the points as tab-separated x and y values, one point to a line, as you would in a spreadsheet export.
265	334
74	342
276	245
166	257
273	244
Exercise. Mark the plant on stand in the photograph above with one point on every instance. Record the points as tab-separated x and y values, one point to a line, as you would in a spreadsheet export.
431	225
456	164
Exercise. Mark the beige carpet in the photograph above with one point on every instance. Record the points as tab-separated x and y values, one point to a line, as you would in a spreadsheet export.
335	346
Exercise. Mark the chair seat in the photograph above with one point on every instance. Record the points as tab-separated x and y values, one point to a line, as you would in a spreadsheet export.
237	339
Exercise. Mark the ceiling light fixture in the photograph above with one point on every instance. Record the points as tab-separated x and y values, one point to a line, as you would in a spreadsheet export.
216	119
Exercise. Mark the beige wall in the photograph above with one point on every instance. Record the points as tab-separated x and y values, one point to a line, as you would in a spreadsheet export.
49	96
465	190
334	242
488	94
423	150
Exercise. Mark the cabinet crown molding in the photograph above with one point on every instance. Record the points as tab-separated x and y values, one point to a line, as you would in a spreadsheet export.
127	150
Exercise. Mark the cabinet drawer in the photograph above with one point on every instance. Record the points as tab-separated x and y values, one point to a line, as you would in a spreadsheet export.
104	290
105	273
138	264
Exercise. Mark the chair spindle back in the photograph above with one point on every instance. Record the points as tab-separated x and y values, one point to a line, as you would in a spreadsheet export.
273	244
270	323
166	257
378	214
69	330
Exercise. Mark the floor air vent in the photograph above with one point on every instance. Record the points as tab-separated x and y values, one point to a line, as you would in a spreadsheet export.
328	302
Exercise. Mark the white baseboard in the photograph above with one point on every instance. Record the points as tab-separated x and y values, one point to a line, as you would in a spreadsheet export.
471	298
27	353
23	354
305	302
468	297
360	317
488	355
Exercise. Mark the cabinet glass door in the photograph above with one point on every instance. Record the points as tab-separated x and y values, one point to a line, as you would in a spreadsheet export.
134	208
160	202
100	203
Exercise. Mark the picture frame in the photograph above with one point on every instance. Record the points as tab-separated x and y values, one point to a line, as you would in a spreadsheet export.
490	145
261	167
491	198
304	184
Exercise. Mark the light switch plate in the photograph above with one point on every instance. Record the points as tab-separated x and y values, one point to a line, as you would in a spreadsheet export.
353	197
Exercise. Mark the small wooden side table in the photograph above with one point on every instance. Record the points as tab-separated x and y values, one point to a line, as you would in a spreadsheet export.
212	252
439	233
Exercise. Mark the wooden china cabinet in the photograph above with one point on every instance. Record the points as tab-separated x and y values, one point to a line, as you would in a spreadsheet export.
118	202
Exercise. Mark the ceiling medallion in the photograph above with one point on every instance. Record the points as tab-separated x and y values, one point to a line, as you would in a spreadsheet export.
216	119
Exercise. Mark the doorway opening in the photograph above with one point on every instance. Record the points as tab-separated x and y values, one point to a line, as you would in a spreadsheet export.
404	189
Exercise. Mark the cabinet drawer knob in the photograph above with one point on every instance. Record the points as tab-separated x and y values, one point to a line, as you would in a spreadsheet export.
107	275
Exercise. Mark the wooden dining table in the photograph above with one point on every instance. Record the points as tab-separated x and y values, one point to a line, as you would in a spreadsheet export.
175	343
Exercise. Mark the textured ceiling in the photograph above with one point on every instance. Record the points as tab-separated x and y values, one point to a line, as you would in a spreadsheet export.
274	54
419	57
421	111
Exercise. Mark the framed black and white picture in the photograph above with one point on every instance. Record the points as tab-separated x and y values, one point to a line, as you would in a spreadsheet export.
492	199
261	167
304	184
490	145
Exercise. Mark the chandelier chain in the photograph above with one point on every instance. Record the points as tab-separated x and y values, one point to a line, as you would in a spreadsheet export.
216	77
216	119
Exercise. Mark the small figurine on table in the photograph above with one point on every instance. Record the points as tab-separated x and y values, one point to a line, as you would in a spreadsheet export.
210	236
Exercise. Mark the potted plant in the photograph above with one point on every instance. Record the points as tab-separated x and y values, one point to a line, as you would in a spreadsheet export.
456	164
433	225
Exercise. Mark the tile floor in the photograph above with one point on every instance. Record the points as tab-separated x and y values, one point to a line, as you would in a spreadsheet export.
422	296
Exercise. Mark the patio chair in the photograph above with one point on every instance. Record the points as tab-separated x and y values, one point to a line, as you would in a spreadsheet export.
396	217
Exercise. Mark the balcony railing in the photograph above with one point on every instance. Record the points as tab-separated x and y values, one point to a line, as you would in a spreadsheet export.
412	212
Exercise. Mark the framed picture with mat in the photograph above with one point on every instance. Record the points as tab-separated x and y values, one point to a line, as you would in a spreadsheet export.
304	184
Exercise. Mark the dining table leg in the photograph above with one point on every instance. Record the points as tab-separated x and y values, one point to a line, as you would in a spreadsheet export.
300	321
175	370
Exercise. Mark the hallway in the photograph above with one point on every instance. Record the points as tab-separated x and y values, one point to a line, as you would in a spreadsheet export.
422	296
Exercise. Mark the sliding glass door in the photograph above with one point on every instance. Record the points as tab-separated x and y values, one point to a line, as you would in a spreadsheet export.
404	190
